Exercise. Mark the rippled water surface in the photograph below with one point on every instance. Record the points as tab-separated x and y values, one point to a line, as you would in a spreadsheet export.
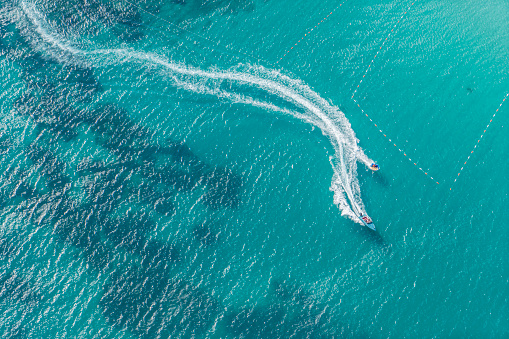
194	169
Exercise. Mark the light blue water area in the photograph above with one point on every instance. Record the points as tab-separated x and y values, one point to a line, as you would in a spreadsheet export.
195	169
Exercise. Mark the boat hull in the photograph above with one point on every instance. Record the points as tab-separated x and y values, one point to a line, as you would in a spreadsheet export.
368	225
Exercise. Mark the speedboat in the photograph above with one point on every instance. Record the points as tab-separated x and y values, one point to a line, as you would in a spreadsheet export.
374	167
367	222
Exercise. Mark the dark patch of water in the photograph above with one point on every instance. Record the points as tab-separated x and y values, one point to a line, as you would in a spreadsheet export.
49	166
76	225
8	246
290	293
177	179
258	322
108	188
43	112
152	305
88	226
206	234
164	206
291	312
89	166
91	16
129	230
224	188
34	64
309	318
41	71
99	256
23	190
116	132
16	188
84	76
182	154
159	198
13	287
158	255
16	332
5	144
129	26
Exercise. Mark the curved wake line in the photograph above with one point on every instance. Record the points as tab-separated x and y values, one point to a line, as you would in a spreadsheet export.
317	111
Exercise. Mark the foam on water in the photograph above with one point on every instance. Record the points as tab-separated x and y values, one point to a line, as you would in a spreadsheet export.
315	110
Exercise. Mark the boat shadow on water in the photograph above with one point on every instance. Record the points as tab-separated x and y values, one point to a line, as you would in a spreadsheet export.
373	237
381	179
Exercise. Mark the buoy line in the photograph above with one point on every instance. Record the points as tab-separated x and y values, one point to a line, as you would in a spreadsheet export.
479	140
311	30
394	144
381	47
367	116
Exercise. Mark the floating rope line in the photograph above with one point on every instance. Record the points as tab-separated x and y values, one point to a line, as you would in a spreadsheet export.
479	140
394	144
311	30
370	119
200	36
381	46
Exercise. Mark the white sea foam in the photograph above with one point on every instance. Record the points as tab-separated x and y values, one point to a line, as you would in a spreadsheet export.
313	109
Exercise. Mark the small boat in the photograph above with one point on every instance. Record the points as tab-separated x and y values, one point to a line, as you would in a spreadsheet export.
367	222
374	167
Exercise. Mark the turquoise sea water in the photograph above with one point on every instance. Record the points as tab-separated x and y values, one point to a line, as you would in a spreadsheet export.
177	169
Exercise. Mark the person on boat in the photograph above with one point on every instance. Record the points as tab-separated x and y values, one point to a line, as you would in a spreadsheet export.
366	219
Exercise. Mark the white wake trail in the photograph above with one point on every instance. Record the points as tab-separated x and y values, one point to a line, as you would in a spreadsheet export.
314	109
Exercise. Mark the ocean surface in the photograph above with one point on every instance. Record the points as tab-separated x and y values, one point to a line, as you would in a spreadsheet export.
196	168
